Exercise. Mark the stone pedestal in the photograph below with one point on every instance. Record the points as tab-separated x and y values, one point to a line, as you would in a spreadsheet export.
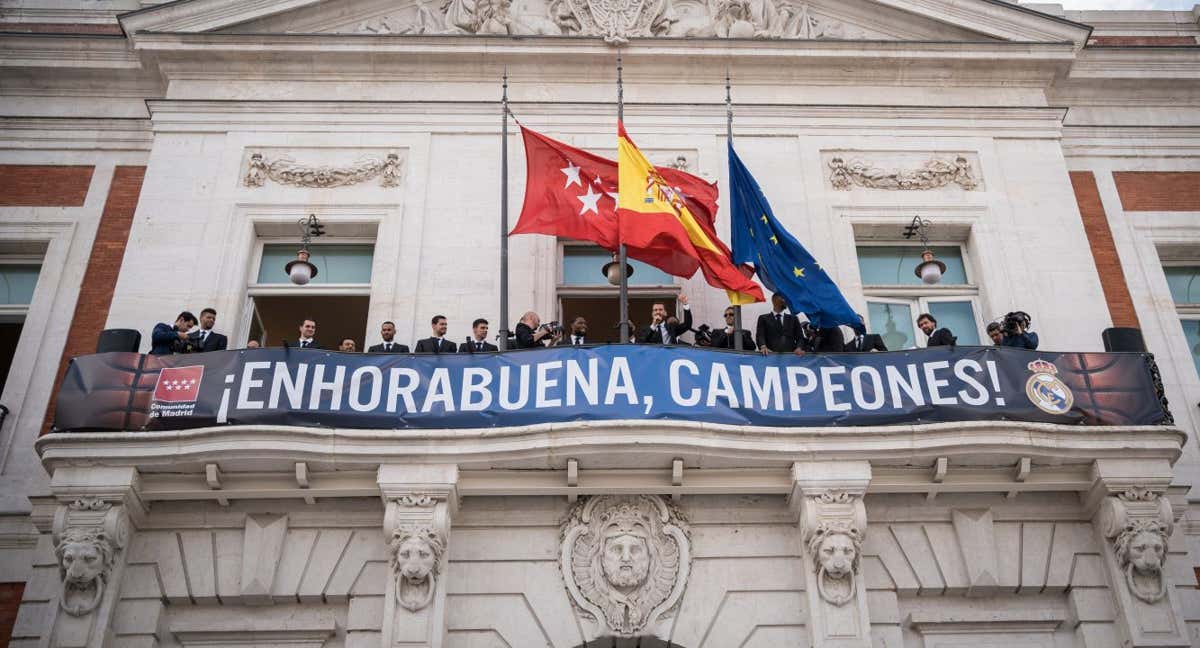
1134	520
833	523
419	501
92	527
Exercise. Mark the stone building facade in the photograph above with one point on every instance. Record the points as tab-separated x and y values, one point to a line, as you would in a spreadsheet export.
153	153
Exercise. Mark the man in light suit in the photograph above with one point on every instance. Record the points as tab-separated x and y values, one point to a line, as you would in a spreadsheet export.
206	339
478	342
438	342
389	345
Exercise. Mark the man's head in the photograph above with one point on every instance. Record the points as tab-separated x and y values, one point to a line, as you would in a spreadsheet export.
728	317
778	303
658	312
185	321
308	329
480	329
996	332
578	326
208	317
347	346
531	319
438	324
927	323
388	331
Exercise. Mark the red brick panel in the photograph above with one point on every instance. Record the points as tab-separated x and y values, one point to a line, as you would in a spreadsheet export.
10	601
105	29
1104	250
1141	41
96	293
1158	190
26	185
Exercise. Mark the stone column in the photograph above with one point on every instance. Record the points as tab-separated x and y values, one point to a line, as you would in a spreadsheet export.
833	523
419	501
1133	521
93	524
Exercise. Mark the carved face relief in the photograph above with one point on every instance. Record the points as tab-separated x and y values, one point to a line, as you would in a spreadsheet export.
1141	549
835	548
416	556
84	559
837	555
626	561
1146	552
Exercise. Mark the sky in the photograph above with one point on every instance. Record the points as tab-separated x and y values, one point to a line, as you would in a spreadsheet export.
1171	5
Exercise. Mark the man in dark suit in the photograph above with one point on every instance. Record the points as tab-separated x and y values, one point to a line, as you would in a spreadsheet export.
389	345
530	334
308	335
777	331
937	336
660	330
438	343
724	338
478	342
167	339
578	334
205	339
866	342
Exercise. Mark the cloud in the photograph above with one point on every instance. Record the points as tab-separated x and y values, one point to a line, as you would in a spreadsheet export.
1134	5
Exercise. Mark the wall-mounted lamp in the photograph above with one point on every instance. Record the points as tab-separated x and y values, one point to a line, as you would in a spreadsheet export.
300	271
930	270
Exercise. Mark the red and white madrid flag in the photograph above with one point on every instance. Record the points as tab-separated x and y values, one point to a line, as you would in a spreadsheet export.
179	384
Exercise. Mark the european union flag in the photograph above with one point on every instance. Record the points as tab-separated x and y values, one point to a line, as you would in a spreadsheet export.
783	265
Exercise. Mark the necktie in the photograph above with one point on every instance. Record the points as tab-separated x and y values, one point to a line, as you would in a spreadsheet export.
387	346
479	346
304	345
578	340
203	336
779	318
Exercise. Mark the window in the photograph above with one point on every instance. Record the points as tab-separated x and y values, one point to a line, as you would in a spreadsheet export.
584	291
18	278
582	265
1184	282
896	296
337	298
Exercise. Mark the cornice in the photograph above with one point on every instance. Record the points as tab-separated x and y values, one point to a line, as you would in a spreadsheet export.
1131	141
62	51
1141	63
999	19
75	133
609	444
199	16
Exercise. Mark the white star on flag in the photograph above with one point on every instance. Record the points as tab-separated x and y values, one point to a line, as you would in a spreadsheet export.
589	201
572	173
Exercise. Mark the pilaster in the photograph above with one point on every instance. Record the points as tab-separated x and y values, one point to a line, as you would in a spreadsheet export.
833	524
1134	519
420	501
98	510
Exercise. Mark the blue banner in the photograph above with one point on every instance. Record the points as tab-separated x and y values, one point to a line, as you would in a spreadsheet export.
124	391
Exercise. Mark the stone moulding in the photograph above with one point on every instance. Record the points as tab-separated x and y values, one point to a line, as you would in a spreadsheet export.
625	559
286	171
933	174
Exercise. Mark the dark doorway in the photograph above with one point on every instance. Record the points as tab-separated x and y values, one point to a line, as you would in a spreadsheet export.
10	334
602	314
277	319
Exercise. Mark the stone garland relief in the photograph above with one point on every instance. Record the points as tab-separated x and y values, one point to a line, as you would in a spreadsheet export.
285	170
88	535
625	559
935	173
618	20
1138	521
416	558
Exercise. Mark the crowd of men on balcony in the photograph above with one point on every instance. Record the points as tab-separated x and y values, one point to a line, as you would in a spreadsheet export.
775	332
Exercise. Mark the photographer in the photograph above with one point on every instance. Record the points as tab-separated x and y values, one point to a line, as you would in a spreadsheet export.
530	332
1015	328
167	339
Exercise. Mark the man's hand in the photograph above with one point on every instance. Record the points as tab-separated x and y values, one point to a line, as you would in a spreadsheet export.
183	335
558	336
682	299
540	333
657	320
764	350
800	352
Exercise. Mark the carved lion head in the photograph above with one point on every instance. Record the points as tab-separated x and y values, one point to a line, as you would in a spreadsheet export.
1143	545
835	548
85	557
416	560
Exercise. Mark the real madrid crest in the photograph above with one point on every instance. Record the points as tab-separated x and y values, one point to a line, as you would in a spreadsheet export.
1046	390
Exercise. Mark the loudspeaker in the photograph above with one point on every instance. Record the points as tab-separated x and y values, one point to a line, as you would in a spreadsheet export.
118	340
1123	339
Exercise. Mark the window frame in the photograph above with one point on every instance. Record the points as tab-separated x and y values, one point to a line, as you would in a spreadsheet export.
565	290
18	312
255	289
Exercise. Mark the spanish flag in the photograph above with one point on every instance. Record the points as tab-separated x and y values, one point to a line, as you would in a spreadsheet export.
658	226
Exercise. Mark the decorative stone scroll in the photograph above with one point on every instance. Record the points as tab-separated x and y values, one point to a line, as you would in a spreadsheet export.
285	170
88	535
1138	522
933	174
625	559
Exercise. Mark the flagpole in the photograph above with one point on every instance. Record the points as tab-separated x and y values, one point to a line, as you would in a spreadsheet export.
503	333
621	261
737	310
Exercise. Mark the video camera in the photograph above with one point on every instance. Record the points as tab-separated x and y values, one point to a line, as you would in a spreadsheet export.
553	327
703	335
1015	323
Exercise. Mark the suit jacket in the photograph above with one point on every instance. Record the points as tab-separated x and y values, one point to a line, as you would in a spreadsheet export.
568	339
162	339
651	335
868	342
396	348
214	342
941	337
776	337
469	347
829	340
524	337
434	345
314	345
722	340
